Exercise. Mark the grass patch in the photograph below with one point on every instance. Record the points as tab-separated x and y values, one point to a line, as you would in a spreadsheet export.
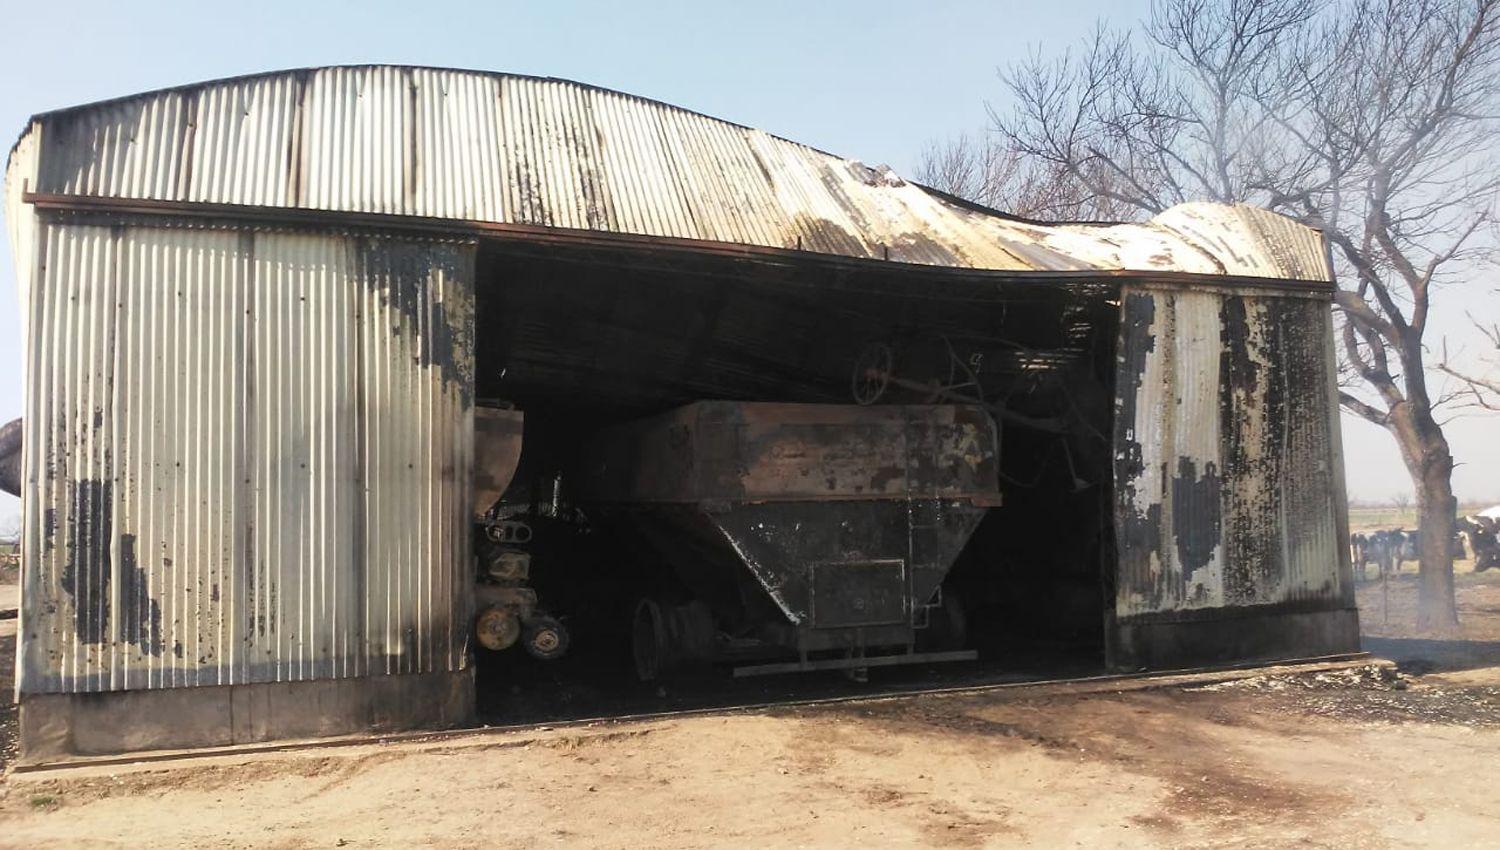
1384	517
43	801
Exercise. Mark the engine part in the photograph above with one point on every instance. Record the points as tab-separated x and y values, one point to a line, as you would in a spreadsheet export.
497	628
507	531
507	565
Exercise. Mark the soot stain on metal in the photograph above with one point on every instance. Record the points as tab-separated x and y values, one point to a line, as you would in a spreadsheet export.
1240	384
140	615
1235	366
86	571
884	476
1254	415
1196	516
1139	533
49	529
404	273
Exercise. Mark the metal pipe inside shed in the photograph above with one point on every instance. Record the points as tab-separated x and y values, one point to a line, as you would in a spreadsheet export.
250	312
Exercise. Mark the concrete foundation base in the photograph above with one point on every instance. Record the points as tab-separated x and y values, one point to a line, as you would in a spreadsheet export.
54	726
1230	636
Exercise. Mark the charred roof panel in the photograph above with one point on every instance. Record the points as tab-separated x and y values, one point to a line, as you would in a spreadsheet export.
486	147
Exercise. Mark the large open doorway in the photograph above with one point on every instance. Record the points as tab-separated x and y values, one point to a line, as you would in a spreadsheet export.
583	338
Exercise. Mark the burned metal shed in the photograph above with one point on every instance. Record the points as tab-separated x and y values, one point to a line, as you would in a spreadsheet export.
259	312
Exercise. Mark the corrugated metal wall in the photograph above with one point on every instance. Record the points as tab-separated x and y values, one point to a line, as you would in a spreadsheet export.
1226	467
522	150
247	457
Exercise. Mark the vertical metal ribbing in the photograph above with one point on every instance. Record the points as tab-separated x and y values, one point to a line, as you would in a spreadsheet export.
218	415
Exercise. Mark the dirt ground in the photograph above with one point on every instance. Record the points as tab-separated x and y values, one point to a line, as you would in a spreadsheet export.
1368	757
1275	761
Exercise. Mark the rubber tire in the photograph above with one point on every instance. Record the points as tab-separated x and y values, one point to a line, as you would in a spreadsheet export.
533	628
648	641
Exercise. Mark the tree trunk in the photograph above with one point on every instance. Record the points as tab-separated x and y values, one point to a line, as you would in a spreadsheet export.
1432	475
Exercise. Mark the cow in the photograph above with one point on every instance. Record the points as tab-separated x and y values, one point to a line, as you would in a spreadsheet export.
1406	546
1482	531
1390	549
1358	552
1378	548
1385	546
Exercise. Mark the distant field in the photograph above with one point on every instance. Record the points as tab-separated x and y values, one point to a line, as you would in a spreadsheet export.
1389	516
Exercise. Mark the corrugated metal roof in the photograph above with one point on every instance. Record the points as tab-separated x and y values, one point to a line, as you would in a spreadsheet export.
487	147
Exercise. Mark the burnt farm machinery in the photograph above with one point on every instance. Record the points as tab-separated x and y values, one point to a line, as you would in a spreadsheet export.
795	537
509	611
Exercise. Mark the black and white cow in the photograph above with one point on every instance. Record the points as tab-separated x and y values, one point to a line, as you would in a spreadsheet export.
1481	532
1378	547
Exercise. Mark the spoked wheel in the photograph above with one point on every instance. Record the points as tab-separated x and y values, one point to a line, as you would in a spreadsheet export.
872	372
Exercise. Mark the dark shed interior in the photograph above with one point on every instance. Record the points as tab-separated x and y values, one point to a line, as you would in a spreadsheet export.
582	337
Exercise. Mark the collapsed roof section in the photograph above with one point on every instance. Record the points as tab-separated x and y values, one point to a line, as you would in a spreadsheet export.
498	149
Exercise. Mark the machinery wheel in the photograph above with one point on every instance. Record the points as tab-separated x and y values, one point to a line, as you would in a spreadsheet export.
497	628
649	642
545	638
665	637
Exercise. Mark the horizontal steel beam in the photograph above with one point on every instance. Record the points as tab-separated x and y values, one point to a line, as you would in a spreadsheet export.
231	215
855	663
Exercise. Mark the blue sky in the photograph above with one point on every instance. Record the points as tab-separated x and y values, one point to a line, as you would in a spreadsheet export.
869	80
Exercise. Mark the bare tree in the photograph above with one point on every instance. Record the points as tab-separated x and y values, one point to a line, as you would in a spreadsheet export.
1481	389
987	172
1372	120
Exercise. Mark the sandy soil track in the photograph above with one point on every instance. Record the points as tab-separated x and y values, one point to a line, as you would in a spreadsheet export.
1266	762
1362	758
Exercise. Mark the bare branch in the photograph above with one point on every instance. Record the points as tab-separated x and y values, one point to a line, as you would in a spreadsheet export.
1374	121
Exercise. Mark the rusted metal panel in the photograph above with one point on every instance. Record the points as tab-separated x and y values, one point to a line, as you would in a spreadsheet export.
246	458
752	451
808	527
1225	453
473	146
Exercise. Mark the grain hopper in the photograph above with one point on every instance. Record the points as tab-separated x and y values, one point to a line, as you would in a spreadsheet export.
818	533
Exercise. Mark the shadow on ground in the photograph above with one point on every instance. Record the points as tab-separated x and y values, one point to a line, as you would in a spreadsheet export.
1428	655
